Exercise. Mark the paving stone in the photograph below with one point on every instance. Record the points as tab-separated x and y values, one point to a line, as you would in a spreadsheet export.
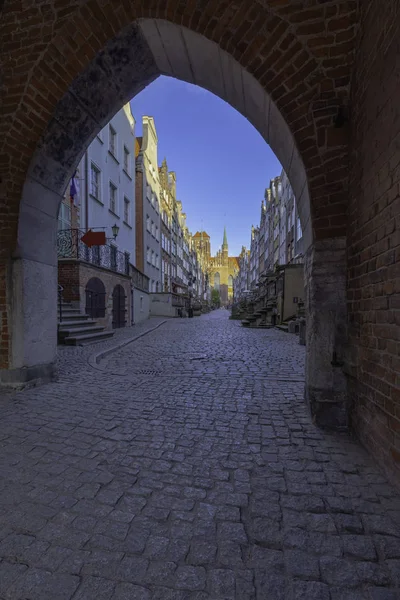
301	565
309	590
232	531
338	572
129	591
359	546
221	583
95	588
190	578
202	553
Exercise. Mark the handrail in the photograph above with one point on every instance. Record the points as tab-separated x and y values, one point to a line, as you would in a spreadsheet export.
60	291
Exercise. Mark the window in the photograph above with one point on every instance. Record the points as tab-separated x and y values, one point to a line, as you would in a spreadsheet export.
153	198
148	255
127	205
148	226
127	160
141	303
64	217
94	181
153	258
148	192
153	229
113	198
157	234
299	231
113	141
157	261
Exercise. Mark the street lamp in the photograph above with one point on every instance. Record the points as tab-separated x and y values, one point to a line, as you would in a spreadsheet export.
115	230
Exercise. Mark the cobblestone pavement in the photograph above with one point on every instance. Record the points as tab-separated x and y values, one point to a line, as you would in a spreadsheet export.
185	467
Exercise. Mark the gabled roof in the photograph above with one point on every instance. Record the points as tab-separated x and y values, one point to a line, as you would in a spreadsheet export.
200	234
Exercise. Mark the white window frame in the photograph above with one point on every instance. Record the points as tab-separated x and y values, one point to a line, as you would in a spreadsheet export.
95	169
127	211
113	187
127	161
112	141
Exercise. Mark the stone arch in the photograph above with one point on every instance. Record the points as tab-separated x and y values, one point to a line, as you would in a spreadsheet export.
271	61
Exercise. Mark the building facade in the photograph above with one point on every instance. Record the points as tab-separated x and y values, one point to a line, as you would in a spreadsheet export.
100	197
148	221
275	242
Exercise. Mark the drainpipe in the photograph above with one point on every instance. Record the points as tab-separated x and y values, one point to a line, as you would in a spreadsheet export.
86	190
132	296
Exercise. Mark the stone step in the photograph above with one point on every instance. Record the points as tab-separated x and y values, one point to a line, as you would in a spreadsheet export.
282	327
73	317
74	331
75	323
89	338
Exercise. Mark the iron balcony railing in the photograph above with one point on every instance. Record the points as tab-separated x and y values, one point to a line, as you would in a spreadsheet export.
69	245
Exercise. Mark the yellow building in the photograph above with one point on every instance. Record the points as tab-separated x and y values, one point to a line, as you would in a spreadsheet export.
221	268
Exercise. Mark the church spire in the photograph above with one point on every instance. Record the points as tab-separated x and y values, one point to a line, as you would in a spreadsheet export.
225	242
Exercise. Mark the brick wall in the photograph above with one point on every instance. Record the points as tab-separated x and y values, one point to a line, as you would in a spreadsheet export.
374	236
68	278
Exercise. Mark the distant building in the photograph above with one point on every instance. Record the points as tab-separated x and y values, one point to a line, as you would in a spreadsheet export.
221	268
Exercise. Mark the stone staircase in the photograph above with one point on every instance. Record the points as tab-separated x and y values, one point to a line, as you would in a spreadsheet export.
257	315
77	329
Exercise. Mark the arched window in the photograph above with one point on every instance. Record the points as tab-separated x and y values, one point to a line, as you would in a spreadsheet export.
217	280
230	281
95	298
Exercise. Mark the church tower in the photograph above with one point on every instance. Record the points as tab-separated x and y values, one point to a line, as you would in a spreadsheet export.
225	249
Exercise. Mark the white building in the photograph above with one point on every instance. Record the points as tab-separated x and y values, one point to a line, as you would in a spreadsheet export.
148	248
107	186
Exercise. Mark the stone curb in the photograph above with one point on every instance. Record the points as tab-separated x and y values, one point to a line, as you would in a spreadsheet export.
94	359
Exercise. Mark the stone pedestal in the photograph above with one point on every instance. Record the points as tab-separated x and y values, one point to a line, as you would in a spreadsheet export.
31	291
325	287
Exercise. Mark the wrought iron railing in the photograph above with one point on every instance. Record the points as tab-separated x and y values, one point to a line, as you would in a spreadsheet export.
70	245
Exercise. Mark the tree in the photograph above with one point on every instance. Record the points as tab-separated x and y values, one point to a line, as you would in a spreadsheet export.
215	297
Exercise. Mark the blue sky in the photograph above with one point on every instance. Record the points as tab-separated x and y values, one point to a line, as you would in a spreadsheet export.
222	163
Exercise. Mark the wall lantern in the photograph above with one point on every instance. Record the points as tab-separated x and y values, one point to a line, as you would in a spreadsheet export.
115	230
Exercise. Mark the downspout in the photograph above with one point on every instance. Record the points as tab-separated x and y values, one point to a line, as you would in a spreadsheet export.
86	190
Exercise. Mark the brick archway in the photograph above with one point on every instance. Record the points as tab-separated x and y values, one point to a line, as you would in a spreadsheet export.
276	64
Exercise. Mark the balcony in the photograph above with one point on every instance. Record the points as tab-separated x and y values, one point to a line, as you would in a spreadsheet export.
70	246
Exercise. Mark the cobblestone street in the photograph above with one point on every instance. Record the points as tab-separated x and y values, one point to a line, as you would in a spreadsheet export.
185	467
